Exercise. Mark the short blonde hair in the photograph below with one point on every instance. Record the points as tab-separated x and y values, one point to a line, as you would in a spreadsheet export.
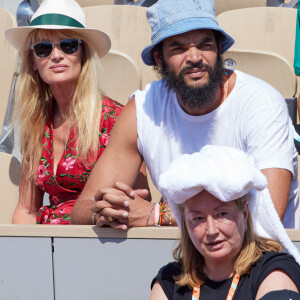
193	262
33	97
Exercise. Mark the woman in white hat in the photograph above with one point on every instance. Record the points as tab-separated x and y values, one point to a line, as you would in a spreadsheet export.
64	121
223	254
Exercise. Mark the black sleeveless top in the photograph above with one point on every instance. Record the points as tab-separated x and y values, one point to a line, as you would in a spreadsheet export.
248	284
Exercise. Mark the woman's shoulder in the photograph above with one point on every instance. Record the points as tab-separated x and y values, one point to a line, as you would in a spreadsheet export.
171	269
110	111
272	257
108	102
271	261
167	272
166	278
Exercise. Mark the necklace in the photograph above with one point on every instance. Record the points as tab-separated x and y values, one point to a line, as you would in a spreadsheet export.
234	284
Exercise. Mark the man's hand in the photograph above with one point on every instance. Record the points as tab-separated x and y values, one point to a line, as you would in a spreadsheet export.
121	207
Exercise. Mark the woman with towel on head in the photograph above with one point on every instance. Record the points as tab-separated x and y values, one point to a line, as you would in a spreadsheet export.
64	119
231	235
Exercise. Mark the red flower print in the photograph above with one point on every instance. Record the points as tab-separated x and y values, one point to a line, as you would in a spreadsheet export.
68	164
62	211
105	109
72	171
41	171
55	200
105	138
56	221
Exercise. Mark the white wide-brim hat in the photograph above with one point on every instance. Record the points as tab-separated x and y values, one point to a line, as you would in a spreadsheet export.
228	174
62	14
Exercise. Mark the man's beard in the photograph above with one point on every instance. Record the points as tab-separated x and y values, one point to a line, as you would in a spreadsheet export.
194	97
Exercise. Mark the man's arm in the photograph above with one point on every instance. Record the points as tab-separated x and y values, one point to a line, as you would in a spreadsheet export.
279	181
121	161
268	135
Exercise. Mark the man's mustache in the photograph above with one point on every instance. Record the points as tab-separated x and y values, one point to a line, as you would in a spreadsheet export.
197	65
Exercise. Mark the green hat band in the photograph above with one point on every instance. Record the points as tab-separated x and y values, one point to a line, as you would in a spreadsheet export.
55	19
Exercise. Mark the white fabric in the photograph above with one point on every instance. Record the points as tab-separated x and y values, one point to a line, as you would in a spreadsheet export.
225	172
69	8
254	118
228	174
17	36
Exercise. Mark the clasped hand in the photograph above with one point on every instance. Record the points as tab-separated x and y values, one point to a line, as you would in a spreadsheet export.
121	207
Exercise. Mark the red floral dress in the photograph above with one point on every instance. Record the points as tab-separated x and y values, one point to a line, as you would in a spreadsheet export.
65	186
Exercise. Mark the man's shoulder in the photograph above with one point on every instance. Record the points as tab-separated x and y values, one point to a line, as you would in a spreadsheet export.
157	86
245	80
256	89
154	96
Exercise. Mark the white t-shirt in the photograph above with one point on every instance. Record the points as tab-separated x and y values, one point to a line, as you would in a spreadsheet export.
254	118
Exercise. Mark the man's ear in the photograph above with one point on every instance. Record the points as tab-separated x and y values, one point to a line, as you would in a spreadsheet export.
157	56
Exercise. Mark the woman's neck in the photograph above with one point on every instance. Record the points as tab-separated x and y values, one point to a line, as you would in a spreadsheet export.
63	95
219	271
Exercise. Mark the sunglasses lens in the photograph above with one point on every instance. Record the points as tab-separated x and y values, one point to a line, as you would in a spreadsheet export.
43	49
69	46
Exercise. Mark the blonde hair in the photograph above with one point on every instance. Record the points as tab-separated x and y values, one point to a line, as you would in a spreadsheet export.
193	262
33	97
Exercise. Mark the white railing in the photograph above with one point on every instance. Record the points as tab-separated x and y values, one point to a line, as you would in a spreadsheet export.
84	262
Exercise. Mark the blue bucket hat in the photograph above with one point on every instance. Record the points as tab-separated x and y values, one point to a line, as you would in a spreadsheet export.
172	17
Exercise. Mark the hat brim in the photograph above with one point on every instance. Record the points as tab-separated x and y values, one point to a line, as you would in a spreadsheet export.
183	26
100	40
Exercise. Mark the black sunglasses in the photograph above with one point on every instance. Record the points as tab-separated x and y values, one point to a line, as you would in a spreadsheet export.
45	48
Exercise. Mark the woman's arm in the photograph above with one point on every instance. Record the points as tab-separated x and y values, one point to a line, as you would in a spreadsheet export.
157	292
276	280
30	200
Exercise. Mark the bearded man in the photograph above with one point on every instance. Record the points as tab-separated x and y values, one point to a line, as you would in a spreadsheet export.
197	102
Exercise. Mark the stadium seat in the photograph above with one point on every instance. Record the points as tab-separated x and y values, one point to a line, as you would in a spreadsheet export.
266	29
271	67
128	29
85	3
222	5
9	67
9	188
119	76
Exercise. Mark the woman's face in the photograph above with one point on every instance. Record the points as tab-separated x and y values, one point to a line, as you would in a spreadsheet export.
216	228
58	68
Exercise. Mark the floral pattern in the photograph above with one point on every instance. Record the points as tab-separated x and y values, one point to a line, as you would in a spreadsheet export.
68	164
65	186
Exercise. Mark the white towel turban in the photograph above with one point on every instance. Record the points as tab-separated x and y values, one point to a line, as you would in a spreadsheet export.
228	174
